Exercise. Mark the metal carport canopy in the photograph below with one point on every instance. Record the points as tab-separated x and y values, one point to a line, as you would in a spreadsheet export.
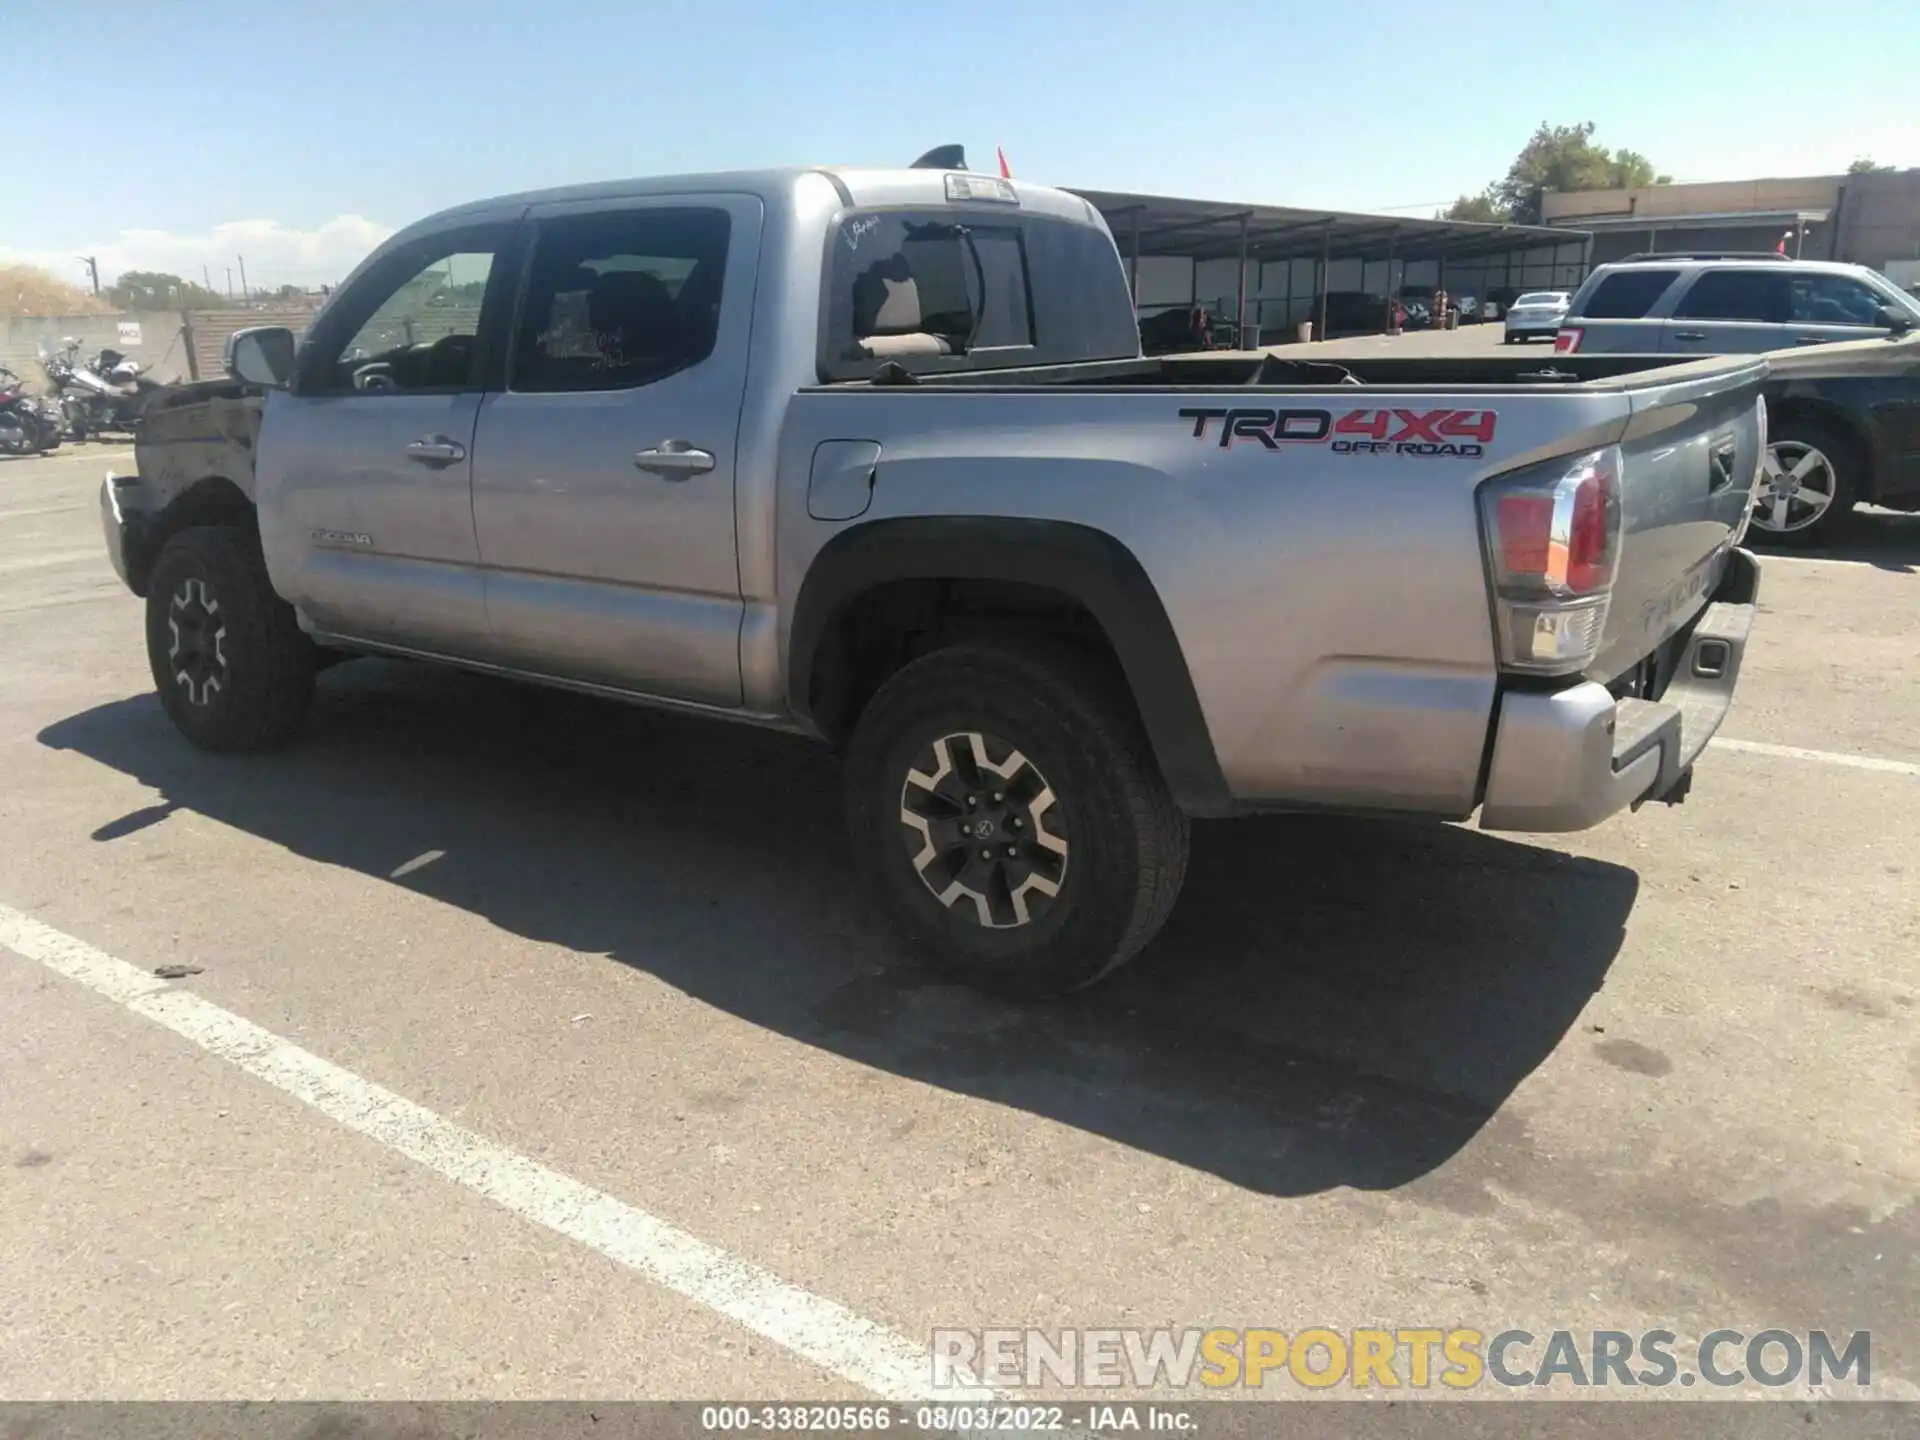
1211	230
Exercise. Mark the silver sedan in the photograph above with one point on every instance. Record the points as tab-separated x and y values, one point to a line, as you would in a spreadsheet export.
1538	312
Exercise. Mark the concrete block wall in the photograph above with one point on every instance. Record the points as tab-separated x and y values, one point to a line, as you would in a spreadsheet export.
160	345
1879	218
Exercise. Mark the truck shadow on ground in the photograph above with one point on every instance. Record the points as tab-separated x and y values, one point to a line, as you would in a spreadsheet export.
1335	1002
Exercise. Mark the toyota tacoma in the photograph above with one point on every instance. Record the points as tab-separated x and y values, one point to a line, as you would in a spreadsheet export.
874	455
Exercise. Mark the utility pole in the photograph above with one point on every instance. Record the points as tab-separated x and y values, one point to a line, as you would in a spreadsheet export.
206	275
93	269
244	292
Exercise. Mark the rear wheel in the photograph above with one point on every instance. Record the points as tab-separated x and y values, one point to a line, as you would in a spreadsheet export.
228	658
1808	484
1005	805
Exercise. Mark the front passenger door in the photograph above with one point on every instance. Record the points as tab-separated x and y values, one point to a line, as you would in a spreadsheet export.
365	484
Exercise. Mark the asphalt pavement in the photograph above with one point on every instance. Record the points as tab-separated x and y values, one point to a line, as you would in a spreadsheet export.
530	1046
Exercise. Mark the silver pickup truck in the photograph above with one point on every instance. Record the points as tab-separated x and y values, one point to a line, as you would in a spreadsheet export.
874	456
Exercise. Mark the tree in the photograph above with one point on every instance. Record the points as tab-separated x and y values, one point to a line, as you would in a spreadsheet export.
29	290
1482	207
1865	166
157	290
1557	157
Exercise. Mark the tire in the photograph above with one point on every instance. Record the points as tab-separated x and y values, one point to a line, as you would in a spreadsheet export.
1807	458
1092	818
233	669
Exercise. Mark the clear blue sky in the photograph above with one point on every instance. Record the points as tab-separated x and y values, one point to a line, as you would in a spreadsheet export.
293	114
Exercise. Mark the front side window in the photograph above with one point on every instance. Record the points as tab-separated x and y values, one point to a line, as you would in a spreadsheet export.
620	299
1835	300
1755	296
410	324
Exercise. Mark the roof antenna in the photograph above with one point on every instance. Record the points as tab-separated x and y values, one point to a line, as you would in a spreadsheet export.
943	157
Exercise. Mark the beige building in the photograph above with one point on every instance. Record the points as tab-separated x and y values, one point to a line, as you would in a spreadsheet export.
1871	219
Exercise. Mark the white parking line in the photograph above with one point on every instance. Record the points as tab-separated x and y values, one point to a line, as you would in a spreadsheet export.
83	455
823	1331
1825	757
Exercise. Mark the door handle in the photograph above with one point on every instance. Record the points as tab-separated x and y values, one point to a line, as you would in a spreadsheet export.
1720	468
436	450
675	460
1809	339
1689	334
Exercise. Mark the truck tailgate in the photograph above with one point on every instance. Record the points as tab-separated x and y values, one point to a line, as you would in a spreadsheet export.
1691	458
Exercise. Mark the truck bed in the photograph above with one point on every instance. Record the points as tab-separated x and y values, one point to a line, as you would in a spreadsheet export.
1211	370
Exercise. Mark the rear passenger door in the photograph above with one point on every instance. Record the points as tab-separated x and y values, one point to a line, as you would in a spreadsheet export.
603	473
1730	311
1833	307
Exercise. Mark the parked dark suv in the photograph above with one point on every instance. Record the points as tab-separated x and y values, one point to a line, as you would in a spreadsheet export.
1713	306
1844	427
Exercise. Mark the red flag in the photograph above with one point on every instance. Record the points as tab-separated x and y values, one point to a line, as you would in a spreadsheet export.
1005	173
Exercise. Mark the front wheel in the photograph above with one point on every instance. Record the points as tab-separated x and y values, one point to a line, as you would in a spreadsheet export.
1809	481
1005	804
233	668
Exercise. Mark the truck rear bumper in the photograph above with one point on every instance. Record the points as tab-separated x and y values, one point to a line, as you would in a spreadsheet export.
1567	759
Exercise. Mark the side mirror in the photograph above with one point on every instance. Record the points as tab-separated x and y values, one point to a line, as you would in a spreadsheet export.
1899	322
261	356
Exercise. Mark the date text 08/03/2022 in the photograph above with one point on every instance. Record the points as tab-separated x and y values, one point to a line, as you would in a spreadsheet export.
946	1419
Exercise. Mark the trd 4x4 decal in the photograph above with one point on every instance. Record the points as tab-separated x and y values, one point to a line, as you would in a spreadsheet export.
1458	433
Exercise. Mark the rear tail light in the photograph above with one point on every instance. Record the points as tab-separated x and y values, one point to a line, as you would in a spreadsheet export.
1553	548
1567	341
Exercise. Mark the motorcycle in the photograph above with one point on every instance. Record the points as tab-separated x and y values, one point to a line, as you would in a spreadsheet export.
108	392
28	424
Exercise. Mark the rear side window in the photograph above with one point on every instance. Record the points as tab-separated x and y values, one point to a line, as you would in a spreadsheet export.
1627	294
1759	296
620	298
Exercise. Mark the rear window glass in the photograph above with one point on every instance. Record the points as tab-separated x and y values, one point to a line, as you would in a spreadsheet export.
1627	294
932	286
1543	297
1760	296
971	287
